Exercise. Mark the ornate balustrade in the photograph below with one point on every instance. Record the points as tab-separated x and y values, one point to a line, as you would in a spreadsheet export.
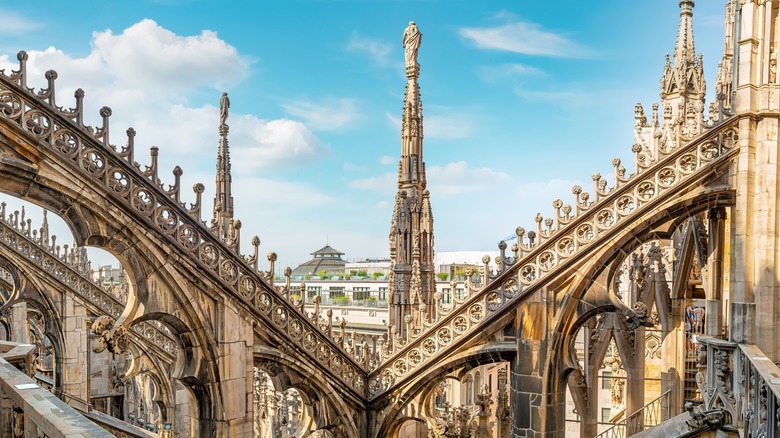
758	397
69	270
740	389
564	240
34	411
37	116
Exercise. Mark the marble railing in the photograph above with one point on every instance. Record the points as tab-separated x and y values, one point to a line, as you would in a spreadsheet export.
32	410
88	150
541	255
740	388
69	271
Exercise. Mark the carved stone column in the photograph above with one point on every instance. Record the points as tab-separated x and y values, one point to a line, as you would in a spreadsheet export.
754	218
536	410
75	328
21	329
716	241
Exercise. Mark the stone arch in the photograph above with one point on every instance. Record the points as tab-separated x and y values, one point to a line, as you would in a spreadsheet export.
189	369
97	215
576	307
30	290
329	411
479	355
659	225
397	428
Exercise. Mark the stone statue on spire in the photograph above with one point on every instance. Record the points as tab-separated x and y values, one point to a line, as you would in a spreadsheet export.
224	105
411	42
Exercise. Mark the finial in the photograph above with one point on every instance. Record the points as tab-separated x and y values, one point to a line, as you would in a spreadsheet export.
411	43
103	133
127	152
256	246
198	188
21	74
224	106
49	93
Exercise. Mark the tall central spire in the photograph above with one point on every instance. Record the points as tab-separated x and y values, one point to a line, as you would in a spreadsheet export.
222	222
412	285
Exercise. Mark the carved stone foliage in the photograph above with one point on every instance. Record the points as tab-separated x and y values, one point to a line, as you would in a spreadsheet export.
716	386
110	336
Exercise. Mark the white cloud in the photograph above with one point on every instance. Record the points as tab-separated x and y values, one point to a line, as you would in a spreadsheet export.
387	160
448	126
525	38
379	51
146	53
331	114
458	178
394	120
15	24
145	74
385	183
454	178
143	64
568	99
502	71
276	143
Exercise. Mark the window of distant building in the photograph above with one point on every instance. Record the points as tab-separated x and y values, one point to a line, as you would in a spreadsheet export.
606	380
382	294
605	415
361	293
446	295
313	291
336	291
460	293
469	384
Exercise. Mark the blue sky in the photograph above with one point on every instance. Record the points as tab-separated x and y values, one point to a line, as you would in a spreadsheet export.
521	100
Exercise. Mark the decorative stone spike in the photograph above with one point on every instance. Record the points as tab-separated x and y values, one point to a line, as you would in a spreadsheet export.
316	315
103	132
198	188
79	109
128	153
174	191
287	275
256	246
272	269
302	299
49	93
236	244
21	74
151	170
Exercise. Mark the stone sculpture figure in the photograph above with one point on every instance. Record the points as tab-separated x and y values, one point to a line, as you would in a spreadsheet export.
224	105
411	43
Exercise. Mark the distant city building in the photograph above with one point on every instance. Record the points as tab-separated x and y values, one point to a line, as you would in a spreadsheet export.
326	261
